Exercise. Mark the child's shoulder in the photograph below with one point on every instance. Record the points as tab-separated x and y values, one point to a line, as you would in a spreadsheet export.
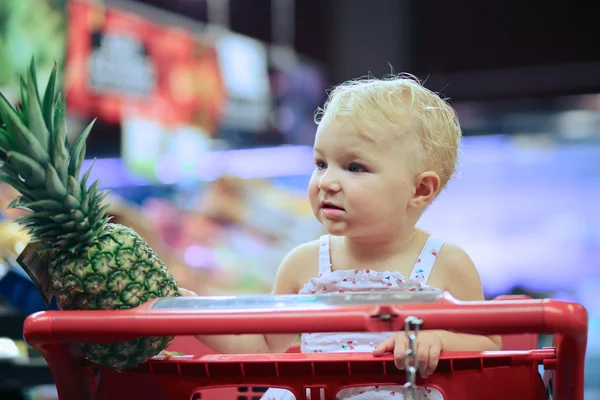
303	253
299	266
457	273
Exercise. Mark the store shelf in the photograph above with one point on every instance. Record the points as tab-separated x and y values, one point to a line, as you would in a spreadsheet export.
19	374
11	323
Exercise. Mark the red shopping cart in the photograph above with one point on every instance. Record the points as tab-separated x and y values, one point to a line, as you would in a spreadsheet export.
460	375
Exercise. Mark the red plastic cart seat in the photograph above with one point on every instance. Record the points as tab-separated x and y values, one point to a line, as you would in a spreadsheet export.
463	376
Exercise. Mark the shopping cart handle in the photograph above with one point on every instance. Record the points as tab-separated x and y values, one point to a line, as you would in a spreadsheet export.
481	317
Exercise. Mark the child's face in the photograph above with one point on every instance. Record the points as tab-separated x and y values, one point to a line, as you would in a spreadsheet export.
359	186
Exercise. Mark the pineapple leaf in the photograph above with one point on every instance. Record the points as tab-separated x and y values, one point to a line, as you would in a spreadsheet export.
15	203
49	98
40	215
46	231
8	169
89	235
71	202
69	227
103	195
6	140
78	151
46	237
63	243
60	152
85	204
27	198
103	209
47	247
71	236
8	106
35	117
4	143
22	207
27	141
73	188
17	184
39	194
96	201
60	218
86	175
93	191
56	189
99	214
28	169
22	220
50	205
77	215
34	219
23	86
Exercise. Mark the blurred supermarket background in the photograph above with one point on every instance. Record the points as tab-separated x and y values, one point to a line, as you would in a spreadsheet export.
205	121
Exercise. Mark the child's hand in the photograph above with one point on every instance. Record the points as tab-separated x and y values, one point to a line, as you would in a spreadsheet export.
428	347
187	293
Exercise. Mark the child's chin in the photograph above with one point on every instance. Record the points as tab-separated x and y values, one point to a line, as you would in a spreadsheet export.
335	228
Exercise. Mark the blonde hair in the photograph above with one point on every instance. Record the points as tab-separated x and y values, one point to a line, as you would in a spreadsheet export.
399	100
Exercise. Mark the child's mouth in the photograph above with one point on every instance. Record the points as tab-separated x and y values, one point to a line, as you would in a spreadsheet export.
331	210
332	207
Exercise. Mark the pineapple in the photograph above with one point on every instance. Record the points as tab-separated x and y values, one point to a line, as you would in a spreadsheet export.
94	265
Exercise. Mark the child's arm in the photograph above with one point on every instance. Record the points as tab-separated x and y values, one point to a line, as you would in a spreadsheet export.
286	282
464	284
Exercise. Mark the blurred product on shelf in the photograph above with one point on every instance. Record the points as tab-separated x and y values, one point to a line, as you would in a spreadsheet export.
162	152
298	90
237	232
16	288
120	63
13	239
243	64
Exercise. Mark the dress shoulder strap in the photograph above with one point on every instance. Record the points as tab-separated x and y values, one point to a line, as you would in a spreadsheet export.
324	255
426	260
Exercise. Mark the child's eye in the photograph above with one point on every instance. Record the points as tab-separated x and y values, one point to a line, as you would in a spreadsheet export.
321	165
356	168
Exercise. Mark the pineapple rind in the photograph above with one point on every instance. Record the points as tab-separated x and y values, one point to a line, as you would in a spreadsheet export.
121	281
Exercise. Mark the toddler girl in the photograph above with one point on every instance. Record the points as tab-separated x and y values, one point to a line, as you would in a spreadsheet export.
383	151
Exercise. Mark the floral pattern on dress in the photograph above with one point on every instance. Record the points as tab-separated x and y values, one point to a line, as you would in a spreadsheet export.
364	281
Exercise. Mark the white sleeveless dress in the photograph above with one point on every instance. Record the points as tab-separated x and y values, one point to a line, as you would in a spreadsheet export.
362	281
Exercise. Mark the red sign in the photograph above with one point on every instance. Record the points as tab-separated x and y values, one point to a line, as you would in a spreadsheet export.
118	63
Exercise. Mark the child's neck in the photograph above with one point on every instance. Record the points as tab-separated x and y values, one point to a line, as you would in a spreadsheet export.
371	249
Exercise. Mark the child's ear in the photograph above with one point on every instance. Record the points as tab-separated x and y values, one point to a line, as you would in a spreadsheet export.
427	186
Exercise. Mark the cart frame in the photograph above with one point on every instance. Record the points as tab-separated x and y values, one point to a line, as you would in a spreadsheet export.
54	332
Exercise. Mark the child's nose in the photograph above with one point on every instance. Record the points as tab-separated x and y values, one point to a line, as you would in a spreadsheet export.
329	183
